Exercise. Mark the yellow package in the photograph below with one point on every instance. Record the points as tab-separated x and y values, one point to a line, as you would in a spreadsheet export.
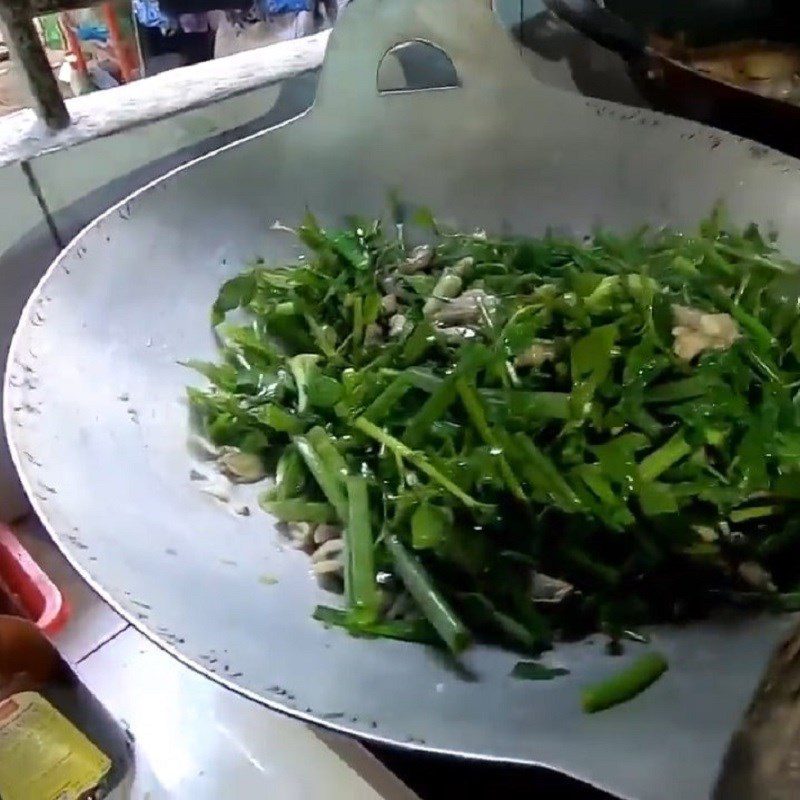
43	756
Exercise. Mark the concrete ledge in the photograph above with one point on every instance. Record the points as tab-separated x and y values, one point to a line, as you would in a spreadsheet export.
23	136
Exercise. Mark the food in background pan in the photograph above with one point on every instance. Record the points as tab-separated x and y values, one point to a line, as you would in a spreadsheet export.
767	68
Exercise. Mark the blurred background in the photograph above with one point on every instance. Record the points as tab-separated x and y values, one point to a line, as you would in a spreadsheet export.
734	64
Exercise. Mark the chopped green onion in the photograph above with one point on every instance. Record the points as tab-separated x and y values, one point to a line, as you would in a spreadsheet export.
360	575
430	601
625	685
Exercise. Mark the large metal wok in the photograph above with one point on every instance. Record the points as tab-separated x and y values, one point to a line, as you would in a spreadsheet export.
96	419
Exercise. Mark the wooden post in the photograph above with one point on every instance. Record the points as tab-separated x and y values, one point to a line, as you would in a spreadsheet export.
25	45
763	758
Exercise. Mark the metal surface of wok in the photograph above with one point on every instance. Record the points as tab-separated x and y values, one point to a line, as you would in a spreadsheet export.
98	425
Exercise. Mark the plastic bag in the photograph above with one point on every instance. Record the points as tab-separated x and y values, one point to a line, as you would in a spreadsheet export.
275	7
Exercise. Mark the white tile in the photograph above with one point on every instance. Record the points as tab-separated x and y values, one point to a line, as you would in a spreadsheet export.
198	741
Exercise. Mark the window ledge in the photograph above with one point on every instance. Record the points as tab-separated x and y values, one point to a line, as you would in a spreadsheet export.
23	136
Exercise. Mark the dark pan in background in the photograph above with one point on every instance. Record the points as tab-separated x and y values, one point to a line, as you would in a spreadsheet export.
729	63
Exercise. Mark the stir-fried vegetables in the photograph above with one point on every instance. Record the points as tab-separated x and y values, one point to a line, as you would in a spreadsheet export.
520	438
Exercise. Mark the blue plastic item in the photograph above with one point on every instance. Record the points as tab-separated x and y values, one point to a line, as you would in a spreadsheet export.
92	33
148	13
275	7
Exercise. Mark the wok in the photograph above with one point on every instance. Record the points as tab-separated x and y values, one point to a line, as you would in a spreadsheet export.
678	79
98	426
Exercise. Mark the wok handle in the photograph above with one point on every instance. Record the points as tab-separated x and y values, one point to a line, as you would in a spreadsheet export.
602	26
488	63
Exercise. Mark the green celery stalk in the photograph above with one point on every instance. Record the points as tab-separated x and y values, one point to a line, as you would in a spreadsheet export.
432	409
387	399
591	566
684	389
291	475
625	685
540	405
423	379
760	333
329	480
405	452
363	593
662	459
480	610
430	601
417	377
300	366
324	445
414	630
417	344
472	403
441	399
358	320
754	512
542	473
753	257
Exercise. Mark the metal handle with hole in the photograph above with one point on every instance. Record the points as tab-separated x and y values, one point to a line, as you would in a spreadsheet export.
482	54
423	66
